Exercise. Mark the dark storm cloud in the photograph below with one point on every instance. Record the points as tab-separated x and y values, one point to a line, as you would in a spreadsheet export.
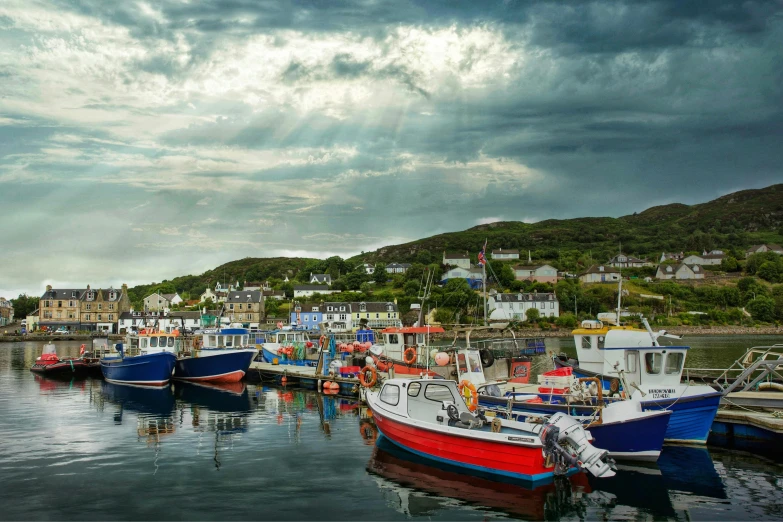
202	126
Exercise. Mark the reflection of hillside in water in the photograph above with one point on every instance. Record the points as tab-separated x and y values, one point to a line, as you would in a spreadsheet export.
423	488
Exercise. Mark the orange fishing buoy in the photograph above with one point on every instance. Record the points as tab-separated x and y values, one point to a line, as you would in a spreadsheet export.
284	380
334	386
326	385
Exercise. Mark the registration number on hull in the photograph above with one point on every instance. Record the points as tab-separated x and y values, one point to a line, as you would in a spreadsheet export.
661	393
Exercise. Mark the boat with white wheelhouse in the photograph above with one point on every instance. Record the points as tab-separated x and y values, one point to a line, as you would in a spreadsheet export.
287	345
632	361
429	418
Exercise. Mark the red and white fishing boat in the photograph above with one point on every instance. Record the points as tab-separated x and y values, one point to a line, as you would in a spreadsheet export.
427	417
406	349
50	364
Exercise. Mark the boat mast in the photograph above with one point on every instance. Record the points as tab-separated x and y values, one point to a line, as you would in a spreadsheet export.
619	297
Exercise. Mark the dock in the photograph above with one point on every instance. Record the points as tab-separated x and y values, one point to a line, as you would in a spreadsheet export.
303	376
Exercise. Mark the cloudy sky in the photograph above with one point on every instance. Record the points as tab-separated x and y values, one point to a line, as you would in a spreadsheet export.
143	140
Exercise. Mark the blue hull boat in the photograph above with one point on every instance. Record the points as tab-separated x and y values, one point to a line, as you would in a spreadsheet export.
632	436
691	417
153	369
216	366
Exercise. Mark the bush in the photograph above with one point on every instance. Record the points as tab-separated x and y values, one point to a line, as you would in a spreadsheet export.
762	309
566	320
532	314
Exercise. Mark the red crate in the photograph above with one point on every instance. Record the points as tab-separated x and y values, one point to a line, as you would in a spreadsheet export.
560	372
345	370
553	391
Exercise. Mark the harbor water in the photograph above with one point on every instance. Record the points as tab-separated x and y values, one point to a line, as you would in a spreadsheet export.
91	450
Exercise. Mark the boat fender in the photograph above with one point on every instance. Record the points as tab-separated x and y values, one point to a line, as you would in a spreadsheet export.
409	356
487	358
334	386
368	431
368	382
614	386
470	400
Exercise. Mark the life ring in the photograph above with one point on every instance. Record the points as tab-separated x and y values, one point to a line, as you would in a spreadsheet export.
368	383
614	386
472	400
409	355
487	358
368	431
322	341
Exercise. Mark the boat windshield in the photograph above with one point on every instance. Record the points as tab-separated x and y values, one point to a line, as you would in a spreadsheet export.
49	348
153	342
171	342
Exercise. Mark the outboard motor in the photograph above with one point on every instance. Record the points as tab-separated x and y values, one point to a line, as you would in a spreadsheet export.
565	440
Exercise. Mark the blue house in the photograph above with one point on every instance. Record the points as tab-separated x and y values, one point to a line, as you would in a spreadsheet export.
307	315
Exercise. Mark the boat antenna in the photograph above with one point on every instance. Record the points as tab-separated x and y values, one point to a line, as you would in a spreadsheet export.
619	296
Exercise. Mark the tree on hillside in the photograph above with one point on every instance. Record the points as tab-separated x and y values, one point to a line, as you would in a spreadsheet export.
380	276
24	305
762	309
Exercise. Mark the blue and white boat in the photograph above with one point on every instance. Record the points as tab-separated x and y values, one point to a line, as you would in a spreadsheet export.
217	356
630	361
288	345
620	427
149	367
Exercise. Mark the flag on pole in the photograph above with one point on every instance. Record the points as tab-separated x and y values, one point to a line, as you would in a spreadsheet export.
482	259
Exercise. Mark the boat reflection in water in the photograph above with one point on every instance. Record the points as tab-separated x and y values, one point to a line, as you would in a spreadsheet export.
683	477
425	487
228	397
154	401
53	383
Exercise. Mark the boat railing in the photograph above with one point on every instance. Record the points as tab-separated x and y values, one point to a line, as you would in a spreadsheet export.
505	347
756	365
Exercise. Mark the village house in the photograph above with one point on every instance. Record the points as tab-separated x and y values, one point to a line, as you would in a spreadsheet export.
186	320
33	319
679	271
246	307
368	268
505	255
624	261
274	294
100	309
158	301
136	321
219	295
320	279
472	273
307	315
515	306
760	249
712	258
254	285
60	307
337	315
375	314
600	274
6	312
309	290
540	273
397	268
460	260
671	256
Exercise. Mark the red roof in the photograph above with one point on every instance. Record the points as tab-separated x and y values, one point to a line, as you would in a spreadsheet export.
415	329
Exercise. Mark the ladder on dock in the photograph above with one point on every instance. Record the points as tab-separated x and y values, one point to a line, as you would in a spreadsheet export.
758	364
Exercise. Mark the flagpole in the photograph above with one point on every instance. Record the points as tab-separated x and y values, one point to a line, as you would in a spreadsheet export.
484	280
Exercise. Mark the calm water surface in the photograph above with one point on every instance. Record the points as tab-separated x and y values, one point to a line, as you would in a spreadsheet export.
92	450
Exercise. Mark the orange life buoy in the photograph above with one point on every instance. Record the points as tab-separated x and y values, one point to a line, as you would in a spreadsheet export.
368	383
409	355
322	341
472	399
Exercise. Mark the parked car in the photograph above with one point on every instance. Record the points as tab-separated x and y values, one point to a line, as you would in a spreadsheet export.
61	331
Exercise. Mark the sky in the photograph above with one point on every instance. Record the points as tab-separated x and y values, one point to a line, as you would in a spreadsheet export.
142	140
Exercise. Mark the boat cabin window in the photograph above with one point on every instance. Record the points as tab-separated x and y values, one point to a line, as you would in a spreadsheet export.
153	342
414	389
475	361
245	340
586	344
674	362
212	340
653	362
238	340
221	341
630	361
229	342
393	339
438	393
171	342
461	363
144	343
390	394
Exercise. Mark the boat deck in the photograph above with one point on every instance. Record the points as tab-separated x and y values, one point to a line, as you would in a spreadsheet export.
757	399
759	419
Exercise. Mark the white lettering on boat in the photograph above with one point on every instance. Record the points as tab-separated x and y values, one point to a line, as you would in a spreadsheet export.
521	439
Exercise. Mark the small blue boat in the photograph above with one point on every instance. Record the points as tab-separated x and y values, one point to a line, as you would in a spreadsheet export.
288	345
151	369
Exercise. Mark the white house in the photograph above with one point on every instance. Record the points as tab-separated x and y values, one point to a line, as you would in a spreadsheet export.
540	273
624	261
219	295
671	256
759	249
141	320
309	290
460	260
679	271
515	306
704	259
186	320
463	273
397	268
368	268
505	255
320	279
158	301
600	274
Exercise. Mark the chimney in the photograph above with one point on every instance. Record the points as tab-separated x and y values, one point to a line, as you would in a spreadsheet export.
124	288
88	287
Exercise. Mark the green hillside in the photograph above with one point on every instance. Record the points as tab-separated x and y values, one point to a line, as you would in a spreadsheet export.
732	222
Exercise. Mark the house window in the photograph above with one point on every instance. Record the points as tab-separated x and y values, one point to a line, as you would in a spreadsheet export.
59	304
552	305
86	317
111	307
305	318
100	306
88	306
70	304
111	318
100	317
240	306
315	309
543	305
231	307
59	314
343	317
